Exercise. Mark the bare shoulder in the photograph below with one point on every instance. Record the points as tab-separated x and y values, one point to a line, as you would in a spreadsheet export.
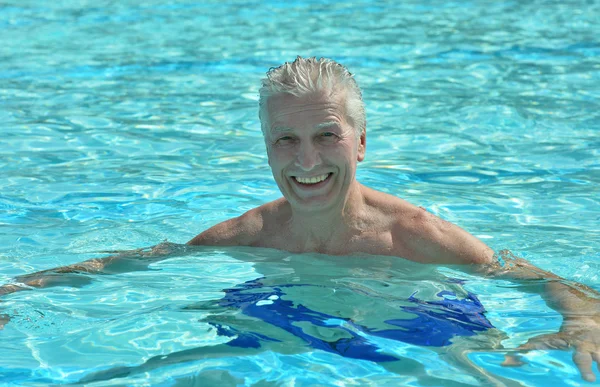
244	230
421	236
433	239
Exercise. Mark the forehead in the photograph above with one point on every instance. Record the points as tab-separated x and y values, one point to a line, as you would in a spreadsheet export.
289	110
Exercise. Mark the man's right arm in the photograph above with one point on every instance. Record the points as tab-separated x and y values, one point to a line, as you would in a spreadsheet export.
240	231
70	275
73	275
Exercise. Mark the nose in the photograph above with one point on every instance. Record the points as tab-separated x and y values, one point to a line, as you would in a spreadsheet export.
308	156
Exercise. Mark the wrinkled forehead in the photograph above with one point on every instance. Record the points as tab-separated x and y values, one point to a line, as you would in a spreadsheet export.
280	107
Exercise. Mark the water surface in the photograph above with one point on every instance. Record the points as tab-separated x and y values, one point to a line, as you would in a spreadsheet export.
127	124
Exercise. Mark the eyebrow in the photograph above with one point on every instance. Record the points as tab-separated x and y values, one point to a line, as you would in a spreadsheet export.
284	129
280	129
328	124
323	125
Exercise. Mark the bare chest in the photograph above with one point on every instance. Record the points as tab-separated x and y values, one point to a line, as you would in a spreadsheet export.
369	242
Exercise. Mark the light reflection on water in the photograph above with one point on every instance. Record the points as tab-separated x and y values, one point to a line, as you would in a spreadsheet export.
127	124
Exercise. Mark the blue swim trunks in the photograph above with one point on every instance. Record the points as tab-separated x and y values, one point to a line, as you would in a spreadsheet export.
435	324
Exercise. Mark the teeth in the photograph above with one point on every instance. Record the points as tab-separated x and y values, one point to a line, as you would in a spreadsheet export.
311	180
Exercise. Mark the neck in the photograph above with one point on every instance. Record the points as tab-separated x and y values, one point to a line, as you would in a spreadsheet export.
319	227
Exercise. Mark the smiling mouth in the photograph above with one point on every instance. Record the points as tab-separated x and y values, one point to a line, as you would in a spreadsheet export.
312	180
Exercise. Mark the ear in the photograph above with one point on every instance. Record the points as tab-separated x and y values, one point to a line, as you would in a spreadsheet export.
362	146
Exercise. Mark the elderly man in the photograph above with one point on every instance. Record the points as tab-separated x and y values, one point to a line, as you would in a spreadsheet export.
314	126
313	120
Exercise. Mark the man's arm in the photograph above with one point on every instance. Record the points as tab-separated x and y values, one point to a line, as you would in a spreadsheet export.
427	238
578	304
70	275
240	231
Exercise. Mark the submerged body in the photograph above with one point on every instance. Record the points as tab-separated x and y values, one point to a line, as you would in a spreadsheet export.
314	127
287	314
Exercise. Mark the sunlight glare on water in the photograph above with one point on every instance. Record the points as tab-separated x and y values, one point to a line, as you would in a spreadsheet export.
128	123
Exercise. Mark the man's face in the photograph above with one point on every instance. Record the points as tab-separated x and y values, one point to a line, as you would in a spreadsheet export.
313	149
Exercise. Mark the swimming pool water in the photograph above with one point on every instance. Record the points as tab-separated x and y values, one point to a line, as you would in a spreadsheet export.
125	124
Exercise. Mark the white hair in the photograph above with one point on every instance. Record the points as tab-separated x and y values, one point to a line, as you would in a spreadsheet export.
310	75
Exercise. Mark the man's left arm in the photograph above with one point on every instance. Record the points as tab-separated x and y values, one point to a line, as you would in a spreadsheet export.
578	304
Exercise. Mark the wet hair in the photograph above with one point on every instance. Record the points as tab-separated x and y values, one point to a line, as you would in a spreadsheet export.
310	75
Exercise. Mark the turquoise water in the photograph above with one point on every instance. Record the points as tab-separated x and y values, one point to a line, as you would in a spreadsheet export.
125	124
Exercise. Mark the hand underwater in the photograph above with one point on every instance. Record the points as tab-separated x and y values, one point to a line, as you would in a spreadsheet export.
580	334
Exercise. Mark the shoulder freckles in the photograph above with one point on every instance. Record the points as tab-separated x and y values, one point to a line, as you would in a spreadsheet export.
418	219
251	223
423	225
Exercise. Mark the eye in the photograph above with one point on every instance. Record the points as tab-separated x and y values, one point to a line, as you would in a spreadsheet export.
284	140
328	137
